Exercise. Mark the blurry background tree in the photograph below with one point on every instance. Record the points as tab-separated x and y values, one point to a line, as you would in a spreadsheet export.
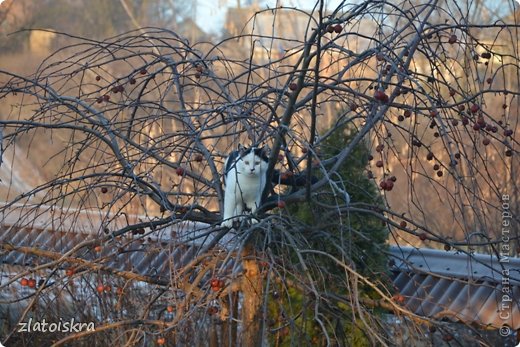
411	107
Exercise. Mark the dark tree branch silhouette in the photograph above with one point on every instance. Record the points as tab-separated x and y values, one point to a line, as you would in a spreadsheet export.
131	134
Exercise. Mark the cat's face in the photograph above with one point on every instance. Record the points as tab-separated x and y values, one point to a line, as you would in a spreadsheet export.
252	162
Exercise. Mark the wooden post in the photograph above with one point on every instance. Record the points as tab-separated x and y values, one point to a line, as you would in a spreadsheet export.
229	323
252	290
213	336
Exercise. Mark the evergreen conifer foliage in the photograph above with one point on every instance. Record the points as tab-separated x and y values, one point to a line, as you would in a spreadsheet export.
333	228
349	225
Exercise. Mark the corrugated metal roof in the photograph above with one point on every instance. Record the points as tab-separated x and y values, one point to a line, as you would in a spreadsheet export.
147	255
147	258
458	286
477	267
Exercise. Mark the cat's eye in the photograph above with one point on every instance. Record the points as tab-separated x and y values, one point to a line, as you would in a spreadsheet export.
247	162
257	162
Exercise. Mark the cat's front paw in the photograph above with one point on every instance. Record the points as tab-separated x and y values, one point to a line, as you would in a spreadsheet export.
228	223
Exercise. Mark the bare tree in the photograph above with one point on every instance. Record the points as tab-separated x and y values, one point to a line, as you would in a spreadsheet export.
136	128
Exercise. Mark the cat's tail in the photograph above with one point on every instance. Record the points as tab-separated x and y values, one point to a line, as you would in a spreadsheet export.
290	179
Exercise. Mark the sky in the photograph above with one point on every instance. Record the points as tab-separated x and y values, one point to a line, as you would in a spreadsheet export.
211	13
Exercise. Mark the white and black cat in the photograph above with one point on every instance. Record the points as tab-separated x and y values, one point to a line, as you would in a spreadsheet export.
245	178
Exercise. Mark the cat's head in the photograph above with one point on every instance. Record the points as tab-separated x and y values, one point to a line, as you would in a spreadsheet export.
253	160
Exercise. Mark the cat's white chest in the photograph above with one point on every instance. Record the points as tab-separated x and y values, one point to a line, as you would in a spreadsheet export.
247	189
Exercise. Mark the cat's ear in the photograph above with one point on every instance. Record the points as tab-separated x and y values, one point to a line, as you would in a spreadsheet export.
241	149
265	151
